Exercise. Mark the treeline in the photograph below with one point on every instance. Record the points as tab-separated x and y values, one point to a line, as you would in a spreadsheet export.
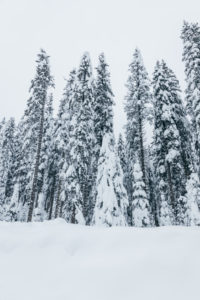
70	166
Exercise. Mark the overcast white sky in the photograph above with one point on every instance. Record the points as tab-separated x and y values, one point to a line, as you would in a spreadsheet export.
67	28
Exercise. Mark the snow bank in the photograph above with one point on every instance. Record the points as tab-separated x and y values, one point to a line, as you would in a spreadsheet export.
57	261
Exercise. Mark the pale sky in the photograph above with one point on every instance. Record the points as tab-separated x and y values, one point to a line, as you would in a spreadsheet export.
67	28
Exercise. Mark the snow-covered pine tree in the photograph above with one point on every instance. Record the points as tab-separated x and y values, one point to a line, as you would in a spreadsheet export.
191	56
16	177
52	170
39	88
137	110
103	101
159	149
7	162
41	207
57	158
111	200
47	142
140	203
24	167
32	129
82	148
181	121
62	124
70	193
136	107
167	143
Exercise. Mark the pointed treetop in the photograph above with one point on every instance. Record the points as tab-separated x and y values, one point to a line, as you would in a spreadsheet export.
85	67
43	76
137	55
102	59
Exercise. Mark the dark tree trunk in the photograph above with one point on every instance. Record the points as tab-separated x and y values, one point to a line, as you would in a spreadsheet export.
61	208
171	192
52	197
142	158
36	168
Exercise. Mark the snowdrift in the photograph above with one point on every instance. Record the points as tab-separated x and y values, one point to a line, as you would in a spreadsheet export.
58	261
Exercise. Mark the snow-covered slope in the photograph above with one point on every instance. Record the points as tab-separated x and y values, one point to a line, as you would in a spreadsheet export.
57	261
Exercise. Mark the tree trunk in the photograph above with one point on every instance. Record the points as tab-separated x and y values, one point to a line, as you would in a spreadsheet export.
57	211
141	147
172	198
52	197
36	168
61	209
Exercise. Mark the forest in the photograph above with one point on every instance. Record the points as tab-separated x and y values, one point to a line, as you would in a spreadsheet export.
72	166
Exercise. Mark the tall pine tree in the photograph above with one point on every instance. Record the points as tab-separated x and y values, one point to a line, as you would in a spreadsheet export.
32	125
137	100
82	136
111	198
167	143
191	56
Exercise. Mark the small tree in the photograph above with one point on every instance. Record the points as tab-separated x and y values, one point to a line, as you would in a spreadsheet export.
111	200
140	204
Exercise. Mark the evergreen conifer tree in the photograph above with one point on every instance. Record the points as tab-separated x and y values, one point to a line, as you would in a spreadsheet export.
32	126
39	88
83	133
137	100
137	108
111	200
103	101
191	56
67	123
140	204
7	162
167	143
41	207
181	121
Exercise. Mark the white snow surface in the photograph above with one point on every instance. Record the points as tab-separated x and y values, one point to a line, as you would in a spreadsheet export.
55	260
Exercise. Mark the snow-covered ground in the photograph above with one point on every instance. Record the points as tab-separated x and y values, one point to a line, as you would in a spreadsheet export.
57	261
